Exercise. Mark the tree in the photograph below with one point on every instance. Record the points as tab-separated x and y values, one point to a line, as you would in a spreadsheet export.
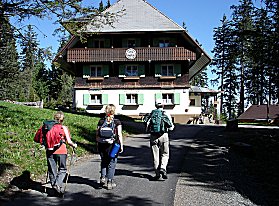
9	68
243	26
273	11
108	4
223	59
41	80
29	45
101	6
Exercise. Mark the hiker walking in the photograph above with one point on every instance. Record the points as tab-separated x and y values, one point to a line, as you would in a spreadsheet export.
110	144
55	139
159	122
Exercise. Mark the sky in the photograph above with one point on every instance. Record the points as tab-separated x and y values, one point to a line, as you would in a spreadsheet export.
200	17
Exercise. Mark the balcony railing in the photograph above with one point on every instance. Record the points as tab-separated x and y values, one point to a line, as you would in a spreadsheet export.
118	54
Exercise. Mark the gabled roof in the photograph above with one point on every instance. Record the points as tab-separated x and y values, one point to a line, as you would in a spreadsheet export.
259	112
135	15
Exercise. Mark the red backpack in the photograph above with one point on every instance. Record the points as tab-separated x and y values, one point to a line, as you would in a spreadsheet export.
50	134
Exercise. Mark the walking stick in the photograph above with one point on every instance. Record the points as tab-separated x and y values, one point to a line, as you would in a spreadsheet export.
46	181
68	171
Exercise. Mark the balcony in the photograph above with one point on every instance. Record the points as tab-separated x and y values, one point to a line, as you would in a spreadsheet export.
118	54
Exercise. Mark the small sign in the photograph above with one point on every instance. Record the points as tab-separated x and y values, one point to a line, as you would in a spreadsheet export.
131	53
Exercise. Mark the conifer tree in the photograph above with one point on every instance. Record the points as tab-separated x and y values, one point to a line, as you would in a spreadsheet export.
243	26
108	4
101	6
9	68
224	59
28	56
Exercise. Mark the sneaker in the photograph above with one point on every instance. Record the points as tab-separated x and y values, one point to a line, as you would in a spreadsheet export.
163	172
102	180
110	185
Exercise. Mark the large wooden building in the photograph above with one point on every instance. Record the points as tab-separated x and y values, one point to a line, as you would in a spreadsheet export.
142	56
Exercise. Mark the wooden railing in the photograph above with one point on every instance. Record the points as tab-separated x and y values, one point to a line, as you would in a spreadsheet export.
118	54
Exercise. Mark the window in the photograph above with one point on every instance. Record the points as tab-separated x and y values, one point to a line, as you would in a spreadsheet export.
131	70
99	43
131	43
164	43
95	99
167	98
192	102
131	98
167	70
95	71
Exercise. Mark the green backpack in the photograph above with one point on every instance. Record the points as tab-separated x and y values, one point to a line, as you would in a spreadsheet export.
159	122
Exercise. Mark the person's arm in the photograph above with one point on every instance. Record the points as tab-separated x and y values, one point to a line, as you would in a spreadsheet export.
120	137
172	125
68	137
97	134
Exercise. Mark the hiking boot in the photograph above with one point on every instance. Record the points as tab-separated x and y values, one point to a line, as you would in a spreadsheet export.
110	185
163	172
102	181
156	178
58	191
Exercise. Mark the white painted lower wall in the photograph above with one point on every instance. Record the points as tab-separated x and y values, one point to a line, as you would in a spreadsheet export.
148	104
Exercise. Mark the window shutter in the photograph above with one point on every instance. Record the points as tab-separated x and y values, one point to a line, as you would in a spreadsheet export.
122	99
177	70
107	43
124	43
176	99
121	70
158	96
104	98
140	99
90	43
155	42
86	98
157	70
141	71
105	70
137	42
86	71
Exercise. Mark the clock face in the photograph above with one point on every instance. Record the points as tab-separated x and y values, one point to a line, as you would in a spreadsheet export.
131	53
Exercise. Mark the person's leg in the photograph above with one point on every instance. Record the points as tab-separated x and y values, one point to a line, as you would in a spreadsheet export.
52	168
111	168
62	169
103	151
164	155
110	174
155	154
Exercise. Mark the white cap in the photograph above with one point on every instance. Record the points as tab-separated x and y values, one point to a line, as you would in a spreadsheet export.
158	102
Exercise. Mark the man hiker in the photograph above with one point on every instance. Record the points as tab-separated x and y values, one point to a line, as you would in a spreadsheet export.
159	122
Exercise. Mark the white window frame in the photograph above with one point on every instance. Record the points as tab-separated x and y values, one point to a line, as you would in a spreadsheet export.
95	70
168	98
95	99
169	67
134	71
131	99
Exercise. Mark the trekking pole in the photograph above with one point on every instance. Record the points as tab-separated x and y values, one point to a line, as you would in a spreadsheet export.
68	171
46	181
